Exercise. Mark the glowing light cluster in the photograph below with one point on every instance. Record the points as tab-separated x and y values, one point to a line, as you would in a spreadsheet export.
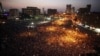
56	36
60	21
97	30
51	28
27	34
48	28
67	36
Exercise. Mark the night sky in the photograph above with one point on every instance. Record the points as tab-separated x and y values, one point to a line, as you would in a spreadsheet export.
55	4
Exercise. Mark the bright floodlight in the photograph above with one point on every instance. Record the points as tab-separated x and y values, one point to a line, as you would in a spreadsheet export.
97	30
48	18
32	23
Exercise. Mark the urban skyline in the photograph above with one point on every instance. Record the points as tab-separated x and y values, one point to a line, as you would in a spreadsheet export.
53	4
49	28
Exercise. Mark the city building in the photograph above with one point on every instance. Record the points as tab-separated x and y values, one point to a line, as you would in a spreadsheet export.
73	9
13	14
68	9
44	12
88	8
1	8
85	10
31	11
51	11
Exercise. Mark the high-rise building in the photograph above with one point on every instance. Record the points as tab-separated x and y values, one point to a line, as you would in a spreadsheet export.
85	10
27	12
68	9
1	8
89	7
31	11
44	12
73	9
13	13
52	11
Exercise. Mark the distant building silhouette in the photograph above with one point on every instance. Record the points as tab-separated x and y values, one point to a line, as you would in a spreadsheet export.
88	7
31	11
85	10
44	12
13	14
69	9
73	9
52	11
1	8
